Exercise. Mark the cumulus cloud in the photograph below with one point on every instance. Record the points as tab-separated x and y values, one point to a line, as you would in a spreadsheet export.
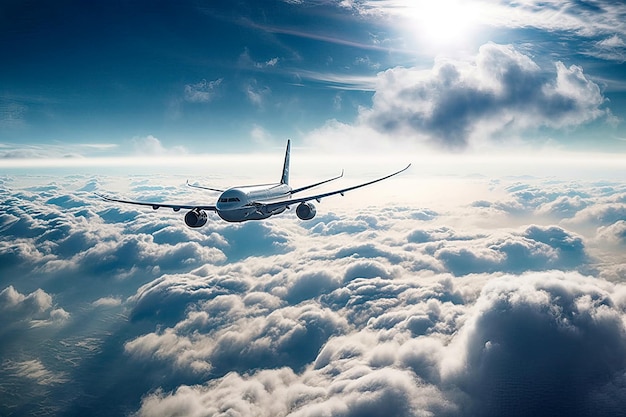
476	308
536	248
562	201
526	331
290	336
512	346
615	233
281	392
563	206
455	102
34	303
601	214
34	309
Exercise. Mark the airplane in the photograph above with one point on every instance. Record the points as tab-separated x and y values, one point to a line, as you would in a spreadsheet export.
255	202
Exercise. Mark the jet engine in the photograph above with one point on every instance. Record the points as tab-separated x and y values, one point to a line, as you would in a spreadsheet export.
196	218
305	211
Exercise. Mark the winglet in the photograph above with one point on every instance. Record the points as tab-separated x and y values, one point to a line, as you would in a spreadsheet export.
285	177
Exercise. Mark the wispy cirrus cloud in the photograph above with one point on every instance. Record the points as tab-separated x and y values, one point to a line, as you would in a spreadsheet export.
12	114
34	370
584	19
151	145
340	81
203	91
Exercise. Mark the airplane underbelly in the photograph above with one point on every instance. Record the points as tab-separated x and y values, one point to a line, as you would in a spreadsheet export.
242	215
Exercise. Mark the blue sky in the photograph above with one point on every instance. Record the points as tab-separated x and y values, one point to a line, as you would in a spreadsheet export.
98	79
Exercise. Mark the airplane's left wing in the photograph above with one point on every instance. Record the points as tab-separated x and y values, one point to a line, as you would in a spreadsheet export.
286	203
175	207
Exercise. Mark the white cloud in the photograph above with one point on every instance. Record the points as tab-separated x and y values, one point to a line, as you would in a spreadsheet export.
35	370
32	304
281	392
269	63
603	18
614	41
32	310
534	326
203	91
601	214
615	233
246	60
260	135
423	309
456	103
256	94
612	48
150	145
107	302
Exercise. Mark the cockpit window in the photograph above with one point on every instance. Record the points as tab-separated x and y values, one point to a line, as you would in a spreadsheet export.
229	200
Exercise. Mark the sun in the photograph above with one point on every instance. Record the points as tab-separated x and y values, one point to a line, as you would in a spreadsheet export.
441	23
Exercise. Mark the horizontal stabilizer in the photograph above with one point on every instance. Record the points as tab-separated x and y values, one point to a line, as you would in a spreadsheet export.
297	190
204	188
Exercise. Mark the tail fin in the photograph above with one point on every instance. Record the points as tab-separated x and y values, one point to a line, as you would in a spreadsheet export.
285	178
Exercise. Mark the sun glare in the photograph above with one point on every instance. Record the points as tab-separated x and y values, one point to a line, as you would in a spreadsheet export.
441	23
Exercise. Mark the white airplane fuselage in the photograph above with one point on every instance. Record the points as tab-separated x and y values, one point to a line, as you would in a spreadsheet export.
237	204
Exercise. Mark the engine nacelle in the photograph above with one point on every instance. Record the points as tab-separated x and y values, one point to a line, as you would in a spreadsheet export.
196	218
305	211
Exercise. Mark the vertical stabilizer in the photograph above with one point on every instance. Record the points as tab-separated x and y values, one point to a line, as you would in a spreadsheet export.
285	178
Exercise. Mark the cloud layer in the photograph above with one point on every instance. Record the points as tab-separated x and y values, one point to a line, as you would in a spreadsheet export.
511	304
435	351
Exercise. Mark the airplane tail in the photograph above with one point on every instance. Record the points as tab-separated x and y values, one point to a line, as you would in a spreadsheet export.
285	177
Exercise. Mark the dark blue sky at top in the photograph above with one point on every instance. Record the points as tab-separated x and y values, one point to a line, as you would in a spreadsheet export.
106	72
117	68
